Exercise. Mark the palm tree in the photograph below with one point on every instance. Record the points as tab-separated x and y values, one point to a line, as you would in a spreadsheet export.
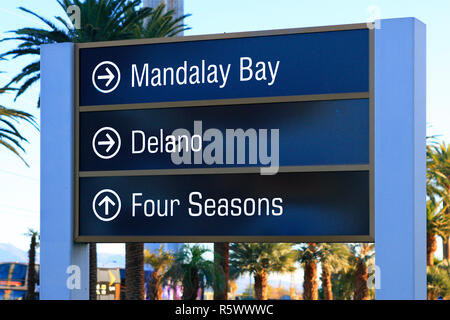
221	262
260	259
438	224
31	271
161	23
160	261
438	181
192	270
344	284
308	256
10	137
101	20
30	40
334	258
438	280
363	255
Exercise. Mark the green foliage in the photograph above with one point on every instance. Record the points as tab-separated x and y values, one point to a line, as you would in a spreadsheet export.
30	40
364	252
272	293
438	280
33	233
101	20
335	256
256	257
343	284
160	260
161	24
438	189
10	137
438	222
438	171
346	257
192	270
308	252
362	258
248	293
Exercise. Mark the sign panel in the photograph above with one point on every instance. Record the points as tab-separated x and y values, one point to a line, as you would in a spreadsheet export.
227	206
227	68
138	139
240	137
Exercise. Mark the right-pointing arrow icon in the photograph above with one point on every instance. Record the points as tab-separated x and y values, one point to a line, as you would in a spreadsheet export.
106	201
110	76
110	142
108	137
109	71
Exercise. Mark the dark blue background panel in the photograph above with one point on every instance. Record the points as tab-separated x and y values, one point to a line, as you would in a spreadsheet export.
309	63
310	133
314	204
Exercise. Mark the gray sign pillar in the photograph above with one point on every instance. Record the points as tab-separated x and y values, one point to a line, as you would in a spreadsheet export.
64	265
400	129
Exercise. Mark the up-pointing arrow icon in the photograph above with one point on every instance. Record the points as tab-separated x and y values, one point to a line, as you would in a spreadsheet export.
108	203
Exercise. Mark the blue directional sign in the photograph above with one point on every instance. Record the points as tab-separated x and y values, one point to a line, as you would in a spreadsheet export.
285	205
246	137
119	140
247	67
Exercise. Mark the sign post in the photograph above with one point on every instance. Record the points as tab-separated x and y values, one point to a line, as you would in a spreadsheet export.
64	265
400	168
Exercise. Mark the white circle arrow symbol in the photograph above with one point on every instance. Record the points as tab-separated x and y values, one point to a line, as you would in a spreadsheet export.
112	140
112	74
107	204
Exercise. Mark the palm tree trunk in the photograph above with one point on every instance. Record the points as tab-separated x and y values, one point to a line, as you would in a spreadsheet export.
134	271
31	271
446	249
446	243
221	259
92	271
310	287
261	285
326	283
191	285
155	290
431	248
202	291
361	276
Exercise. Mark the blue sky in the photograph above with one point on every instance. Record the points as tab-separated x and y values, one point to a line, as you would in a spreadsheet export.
19	187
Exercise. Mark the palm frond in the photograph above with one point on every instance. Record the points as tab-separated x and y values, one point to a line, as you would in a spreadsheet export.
10	137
